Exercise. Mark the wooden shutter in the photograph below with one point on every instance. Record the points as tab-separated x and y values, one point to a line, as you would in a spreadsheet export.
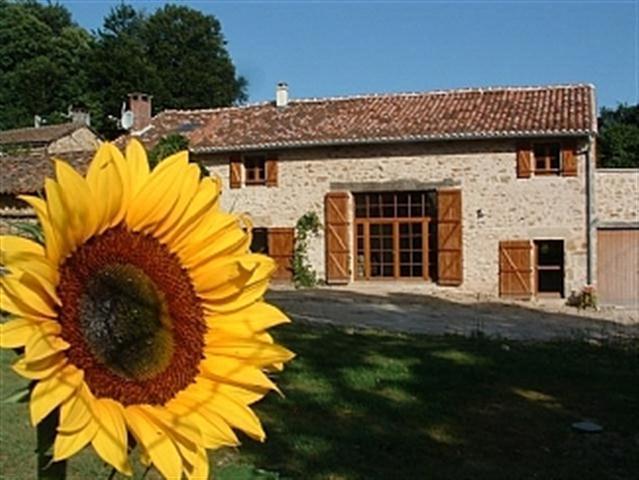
280	247
235	174
336	213
449	237
271	171
568	160
524	160
515	268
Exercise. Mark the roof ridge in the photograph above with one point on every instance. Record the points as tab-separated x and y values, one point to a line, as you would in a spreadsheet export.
491	88
363	96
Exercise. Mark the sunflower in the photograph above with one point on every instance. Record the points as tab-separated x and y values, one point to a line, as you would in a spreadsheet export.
142	316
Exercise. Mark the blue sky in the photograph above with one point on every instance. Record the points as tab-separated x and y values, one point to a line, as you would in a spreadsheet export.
331	48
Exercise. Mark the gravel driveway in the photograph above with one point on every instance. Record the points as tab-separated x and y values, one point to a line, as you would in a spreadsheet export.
418	308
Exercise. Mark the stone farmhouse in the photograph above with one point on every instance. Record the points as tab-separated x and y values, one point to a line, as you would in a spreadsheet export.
26	160
493	191
488	190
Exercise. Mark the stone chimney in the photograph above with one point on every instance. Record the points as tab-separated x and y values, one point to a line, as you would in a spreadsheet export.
140	106
80	115
281	95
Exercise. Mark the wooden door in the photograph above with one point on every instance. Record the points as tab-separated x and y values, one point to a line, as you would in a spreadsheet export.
281	242
449	237
515	268
618	267
336	216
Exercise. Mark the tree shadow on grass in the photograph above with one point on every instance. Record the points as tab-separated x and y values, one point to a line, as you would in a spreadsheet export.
369	405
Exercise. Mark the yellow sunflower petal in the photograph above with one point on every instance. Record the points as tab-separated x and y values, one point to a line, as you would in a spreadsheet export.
107	185
215	431
159	194
29	290
200	468
11	244
52	242
41	369
138	165
68	444
246	349
49	393
156	442
235	242
76	412
230	275
44	343
203	203
235	371
249	321
236	414
110	441
16	333
78	200
214	224
33	263
60	218
10	304
188	190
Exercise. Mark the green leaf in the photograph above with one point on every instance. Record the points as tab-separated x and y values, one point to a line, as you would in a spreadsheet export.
19	395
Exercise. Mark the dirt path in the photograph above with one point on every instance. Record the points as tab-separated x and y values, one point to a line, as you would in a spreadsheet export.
417	309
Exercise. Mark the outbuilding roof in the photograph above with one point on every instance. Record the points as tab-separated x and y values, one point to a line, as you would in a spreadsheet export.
500	112
39	135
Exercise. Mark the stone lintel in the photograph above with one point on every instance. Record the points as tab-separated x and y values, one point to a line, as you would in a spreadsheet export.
407	184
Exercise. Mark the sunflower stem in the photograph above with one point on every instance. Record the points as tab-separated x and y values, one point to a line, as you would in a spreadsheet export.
45	432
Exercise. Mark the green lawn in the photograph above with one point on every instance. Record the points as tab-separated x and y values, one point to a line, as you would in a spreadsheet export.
389	406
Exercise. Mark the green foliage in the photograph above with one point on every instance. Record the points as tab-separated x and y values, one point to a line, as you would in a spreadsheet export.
48	62
30	230
42	59
169	145
307	226
188	49
618	145
177	54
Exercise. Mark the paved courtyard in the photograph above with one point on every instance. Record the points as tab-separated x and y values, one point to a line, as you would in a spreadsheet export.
424	308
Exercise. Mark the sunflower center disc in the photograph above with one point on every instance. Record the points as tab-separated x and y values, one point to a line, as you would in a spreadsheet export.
131	316
125	322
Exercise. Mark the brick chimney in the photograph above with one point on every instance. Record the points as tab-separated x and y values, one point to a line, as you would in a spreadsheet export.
140	106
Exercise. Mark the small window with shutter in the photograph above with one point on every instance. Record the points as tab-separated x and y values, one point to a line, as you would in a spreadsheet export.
255	169
547	158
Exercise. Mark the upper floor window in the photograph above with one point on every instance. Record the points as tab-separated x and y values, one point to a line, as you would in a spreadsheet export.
547	157
255	169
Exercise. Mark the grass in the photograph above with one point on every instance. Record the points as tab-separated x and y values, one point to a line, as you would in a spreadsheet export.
370	405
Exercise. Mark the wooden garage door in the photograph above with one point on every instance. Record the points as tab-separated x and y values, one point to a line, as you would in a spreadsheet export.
337	242
618	266
280	247
515	268
449	237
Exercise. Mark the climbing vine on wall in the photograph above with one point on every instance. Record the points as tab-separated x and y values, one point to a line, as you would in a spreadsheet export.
307	227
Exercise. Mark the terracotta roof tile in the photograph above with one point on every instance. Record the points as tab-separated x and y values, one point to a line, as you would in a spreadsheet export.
45	134
25	172
468	113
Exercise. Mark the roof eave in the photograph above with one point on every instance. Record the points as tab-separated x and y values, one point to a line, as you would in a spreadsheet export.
392	140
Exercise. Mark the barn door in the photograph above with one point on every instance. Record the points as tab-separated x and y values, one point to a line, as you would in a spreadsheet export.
515	268
337	237
449	237
280	248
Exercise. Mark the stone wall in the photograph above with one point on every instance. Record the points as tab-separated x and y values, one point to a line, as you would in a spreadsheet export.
616	196
496	205
81	140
